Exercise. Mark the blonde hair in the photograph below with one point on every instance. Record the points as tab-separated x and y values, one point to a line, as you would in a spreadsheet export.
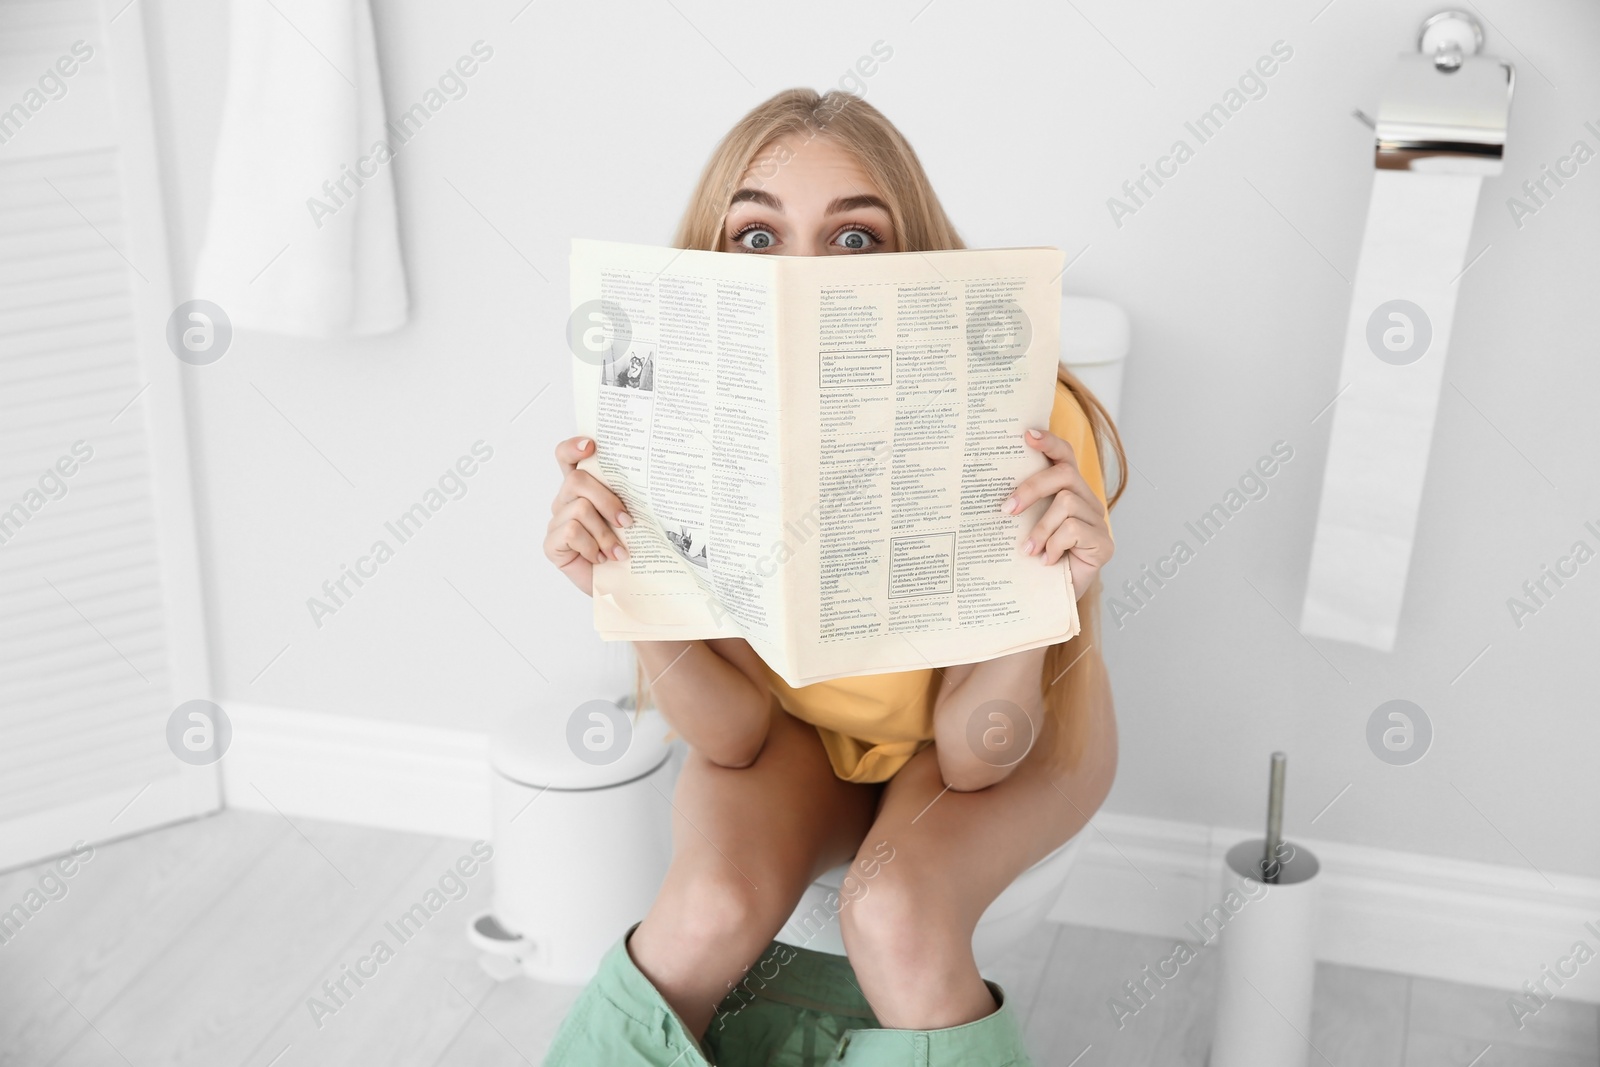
1074	671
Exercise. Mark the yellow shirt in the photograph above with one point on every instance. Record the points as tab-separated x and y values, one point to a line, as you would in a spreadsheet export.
872	724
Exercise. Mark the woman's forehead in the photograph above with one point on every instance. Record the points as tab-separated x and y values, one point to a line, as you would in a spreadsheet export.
794	167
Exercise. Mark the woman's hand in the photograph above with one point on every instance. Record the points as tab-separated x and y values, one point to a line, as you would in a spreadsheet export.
580	533
1074	525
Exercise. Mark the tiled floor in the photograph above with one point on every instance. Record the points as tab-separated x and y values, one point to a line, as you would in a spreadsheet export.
207	944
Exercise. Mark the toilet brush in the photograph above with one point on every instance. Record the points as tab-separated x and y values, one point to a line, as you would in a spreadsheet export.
1267	931
1269	866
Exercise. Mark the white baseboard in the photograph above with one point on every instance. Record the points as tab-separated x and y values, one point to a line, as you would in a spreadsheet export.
368	772
1479	923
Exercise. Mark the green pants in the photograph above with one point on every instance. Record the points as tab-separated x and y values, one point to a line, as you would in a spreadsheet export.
794	1008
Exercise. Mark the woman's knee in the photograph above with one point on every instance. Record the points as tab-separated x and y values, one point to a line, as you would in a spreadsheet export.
709	902
898	919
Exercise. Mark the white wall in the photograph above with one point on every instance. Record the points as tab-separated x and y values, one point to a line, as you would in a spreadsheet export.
593	120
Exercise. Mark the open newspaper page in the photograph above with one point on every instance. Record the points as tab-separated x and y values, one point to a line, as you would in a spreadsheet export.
674	356
916	375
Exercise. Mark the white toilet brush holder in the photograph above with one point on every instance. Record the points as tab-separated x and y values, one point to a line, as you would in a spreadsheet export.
1268	960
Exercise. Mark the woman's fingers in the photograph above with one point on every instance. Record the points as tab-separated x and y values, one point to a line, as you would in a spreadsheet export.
610	545
581	517
586	532
569	539
1062	474
1075	498
571	450
581	484
1084	539
1066	506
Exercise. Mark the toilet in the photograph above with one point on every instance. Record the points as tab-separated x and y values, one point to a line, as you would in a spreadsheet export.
1008	922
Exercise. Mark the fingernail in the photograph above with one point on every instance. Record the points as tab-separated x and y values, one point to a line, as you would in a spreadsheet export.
620	552
583	443
1010	505
624	519
1035	434
1027	549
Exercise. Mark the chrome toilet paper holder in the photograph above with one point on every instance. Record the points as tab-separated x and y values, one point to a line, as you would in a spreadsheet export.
1445	108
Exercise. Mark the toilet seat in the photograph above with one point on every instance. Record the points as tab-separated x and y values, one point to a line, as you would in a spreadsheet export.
1009	920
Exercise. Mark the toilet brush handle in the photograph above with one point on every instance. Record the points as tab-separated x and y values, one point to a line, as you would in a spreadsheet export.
1270	866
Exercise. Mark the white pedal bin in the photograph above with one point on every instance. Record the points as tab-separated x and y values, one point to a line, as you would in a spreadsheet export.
582	833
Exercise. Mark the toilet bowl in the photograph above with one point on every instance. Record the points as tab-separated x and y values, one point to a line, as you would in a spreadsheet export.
1008	921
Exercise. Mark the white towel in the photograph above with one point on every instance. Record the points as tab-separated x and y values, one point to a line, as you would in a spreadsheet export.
294	244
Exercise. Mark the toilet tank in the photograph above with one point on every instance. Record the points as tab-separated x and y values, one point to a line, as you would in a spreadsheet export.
1094	346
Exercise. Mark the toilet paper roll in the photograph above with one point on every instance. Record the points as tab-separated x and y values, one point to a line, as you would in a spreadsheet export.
1268	962
1396	337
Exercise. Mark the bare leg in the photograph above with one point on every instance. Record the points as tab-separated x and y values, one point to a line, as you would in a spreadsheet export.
746	844
909	937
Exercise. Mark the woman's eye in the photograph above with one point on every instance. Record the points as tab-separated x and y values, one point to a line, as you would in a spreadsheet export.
855	240
757	239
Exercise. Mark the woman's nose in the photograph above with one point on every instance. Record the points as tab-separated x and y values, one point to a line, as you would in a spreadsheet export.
805	246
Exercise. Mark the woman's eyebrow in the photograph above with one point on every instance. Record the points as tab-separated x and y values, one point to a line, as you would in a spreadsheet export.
758	196
850	203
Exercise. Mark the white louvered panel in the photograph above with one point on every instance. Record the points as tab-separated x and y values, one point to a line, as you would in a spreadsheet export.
80	586
118	558
23	764
18	463
100	743
118	615
118	542
76	358
67	342
79	573
80	661
59	397
44	692
50	634
48	441
129	621
59	414
34	24
89	518
88	670
136	762
102	688
82	701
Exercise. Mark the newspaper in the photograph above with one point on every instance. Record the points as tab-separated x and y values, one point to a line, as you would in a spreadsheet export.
814	451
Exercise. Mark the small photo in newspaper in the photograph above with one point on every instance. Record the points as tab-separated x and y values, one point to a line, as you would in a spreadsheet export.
689	541
631	368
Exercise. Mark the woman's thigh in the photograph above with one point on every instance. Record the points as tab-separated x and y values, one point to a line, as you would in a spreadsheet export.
982	840
747	842
786	814
955	852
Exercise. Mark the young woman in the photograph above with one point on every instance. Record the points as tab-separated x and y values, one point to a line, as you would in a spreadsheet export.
781	784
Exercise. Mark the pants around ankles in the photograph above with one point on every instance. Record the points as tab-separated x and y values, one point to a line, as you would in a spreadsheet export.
795	1007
